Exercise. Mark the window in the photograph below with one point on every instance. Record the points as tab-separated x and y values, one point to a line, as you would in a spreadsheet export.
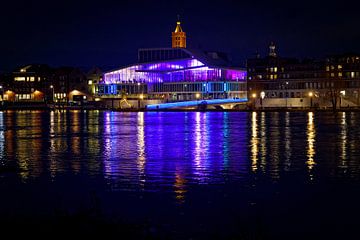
19	78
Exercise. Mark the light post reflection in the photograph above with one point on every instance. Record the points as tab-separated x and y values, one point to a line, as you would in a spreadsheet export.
343	141
311	134
141	159
263	141
201	146
287	142
254	142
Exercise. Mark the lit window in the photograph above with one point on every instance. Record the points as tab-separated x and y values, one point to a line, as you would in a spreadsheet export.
352	74
339	67
19	78
275	69
332	75
32	79
340	74
327	68
332	67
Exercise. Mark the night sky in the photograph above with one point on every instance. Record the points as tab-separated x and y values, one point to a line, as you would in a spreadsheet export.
108	34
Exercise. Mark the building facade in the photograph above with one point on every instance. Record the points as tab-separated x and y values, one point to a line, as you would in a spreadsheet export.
287	82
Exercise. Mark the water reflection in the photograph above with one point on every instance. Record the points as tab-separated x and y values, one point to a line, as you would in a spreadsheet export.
201	147
155	151
311	134
343	142
288	150
141	147
254	142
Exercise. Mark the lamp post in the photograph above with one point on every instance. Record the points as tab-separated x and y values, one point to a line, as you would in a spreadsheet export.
2	93
254	100
311	95
141	97
342	94
52	88
286	93
262	96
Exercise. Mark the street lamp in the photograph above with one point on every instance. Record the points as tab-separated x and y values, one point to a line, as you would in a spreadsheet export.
262	96
286	93
254	100
141	97
2	93
311	95
52	88
197	95
342	94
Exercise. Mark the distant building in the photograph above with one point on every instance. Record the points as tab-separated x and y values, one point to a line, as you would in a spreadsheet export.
29	83
275	81
41	83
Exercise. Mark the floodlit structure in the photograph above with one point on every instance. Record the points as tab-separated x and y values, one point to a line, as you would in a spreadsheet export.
176	74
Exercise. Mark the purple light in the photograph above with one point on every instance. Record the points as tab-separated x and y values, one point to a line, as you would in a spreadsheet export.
189	70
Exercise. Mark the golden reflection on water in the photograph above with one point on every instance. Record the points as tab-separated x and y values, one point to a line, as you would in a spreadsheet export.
311	134
2	138
343	141
263	139
254	142
180	187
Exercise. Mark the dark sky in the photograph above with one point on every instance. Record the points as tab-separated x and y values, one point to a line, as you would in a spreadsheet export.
108	33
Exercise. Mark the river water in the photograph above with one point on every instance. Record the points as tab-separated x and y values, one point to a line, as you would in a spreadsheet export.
181	175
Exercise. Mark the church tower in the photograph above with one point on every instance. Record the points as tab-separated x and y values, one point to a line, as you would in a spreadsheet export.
272	52
178	38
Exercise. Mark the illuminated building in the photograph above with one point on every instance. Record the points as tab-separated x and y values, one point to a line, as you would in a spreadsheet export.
176	74
178	37
28	83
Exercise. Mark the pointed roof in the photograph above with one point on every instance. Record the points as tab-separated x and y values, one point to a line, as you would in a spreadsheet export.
178	27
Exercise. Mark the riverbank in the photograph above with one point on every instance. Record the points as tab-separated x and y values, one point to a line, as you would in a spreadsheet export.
81	108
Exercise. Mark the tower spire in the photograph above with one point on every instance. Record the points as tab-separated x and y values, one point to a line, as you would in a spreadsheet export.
178	37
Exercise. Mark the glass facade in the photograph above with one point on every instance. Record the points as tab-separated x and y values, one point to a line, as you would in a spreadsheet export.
185	75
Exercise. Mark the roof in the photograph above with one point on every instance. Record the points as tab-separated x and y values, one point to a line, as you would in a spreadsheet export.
178	27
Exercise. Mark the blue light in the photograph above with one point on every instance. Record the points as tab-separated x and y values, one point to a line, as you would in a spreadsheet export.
194	103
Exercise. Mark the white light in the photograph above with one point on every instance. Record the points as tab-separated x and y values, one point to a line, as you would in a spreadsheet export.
342	92
262	95
84	97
